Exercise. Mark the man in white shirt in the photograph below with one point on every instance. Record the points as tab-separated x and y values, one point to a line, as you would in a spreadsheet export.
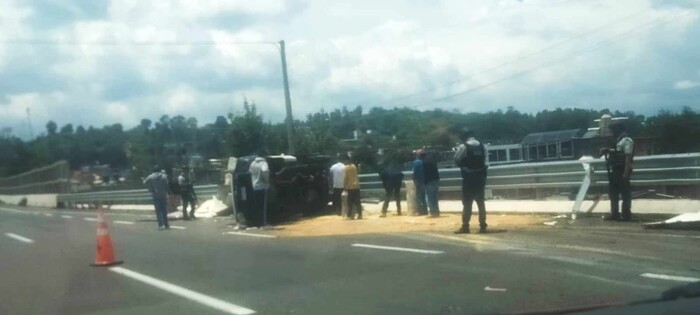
260	176
337	182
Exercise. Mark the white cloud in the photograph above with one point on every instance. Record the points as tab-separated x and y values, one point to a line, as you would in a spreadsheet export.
249	57
686	84
121	112
180	100
17	105
12	23
361	52
179	11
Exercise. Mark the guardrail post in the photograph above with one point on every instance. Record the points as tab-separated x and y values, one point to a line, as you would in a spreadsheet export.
583	190
410	197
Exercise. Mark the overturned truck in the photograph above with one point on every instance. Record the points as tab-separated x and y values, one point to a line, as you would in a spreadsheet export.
298	187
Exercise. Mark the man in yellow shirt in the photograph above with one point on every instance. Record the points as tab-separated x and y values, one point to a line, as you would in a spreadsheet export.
352	187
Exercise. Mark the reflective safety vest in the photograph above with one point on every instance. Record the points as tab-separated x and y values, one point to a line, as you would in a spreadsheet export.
474	158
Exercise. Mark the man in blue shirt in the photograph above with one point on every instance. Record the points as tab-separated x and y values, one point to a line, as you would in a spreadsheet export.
419	182
157	184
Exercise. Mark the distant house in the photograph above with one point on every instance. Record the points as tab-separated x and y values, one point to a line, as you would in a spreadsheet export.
504	153
552	145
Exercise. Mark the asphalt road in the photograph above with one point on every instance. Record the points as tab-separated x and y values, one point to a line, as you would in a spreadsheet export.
198	269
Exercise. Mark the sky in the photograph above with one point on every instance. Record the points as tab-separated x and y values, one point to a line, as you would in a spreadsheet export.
97	62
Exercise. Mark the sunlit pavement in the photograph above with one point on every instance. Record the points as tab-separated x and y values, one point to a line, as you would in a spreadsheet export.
205	267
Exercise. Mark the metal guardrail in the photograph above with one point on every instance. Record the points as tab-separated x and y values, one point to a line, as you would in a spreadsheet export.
135	196
671	169
52	178
655	170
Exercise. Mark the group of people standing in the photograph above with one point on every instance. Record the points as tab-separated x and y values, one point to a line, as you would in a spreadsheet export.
162	190
470	157
345	180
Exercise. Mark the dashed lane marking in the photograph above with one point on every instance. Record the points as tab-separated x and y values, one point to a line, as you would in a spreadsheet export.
669	278
490	289
400	249
615	282
20	238
184	293
251	234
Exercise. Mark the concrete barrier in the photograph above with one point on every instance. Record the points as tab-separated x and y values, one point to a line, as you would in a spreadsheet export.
33	200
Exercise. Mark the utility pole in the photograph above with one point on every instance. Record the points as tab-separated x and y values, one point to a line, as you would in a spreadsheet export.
287	99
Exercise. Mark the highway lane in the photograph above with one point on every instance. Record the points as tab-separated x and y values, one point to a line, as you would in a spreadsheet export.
322	275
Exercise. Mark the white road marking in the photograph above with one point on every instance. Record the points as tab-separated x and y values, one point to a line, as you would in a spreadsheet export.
66	216
616	282
185	293
48	215
123	222
670	278
90	219
490	289
400	249
20	238
251	234
178	227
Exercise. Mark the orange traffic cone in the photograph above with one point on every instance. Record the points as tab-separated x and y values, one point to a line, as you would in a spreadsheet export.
105	251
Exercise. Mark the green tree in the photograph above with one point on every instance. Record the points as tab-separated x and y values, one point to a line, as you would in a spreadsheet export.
245	133
51	128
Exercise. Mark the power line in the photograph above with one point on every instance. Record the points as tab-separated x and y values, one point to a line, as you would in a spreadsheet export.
512	61
638	28
564	58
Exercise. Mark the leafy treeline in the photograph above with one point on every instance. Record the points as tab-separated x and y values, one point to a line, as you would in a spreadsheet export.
171	140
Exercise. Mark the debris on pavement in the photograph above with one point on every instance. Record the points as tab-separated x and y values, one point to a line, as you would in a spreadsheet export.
211	208
685	221
490	289
392	223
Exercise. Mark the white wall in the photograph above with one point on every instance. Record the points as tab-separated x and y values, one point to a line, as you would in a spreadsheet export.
36	200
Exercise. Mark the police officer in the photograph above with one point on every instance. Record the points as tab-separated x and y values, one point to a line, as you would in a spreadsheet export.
471	159
619	163
189	197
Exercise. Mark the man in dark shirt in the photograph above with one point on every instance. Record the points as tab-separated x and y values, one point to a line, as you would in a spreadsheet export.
471	159
391	177
620	163
432	183
189	198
